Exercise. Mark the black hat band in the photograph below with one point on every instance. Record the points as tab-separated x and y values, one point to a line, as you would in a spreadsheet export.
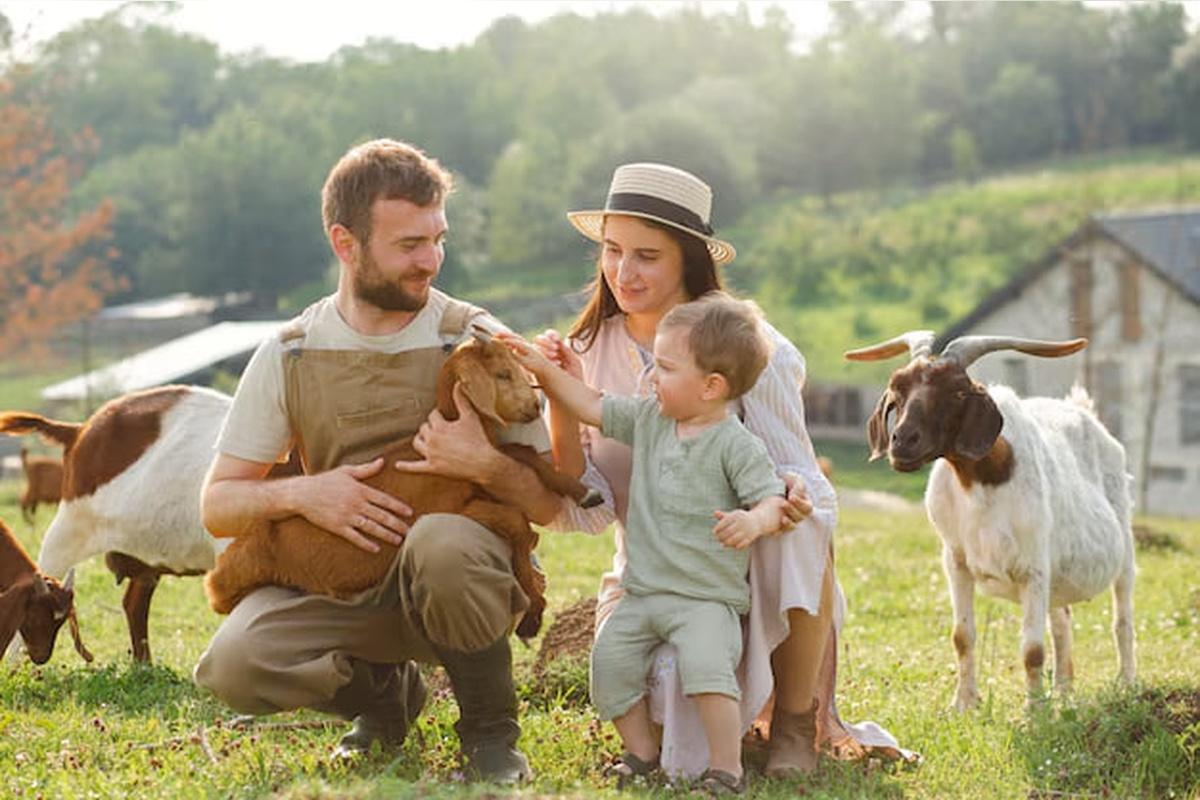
630	202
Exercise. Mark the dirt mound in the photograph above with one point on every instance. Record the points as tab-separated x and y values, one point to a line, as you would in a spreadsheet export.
570	635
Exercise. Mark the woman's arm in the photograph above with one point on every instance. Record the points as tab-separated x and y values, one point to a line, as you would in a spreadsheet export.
774	411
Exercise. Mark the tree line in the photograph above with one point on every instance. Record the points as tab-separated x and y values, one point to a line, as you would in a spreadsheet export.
212	161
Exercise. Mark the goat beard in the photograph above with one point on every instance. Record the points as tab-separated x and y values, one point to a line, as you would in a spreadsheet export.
371	287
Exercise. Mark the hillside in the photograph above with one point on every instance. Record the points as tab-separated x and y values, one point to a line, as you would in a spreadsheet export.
872	265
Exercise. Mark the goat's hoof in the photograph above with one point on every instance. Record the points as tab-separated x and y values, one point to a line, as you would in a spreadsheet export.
965	702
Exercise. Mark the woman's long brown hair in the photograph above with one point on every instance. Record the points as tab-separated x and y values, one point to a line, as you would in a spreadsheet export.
700	276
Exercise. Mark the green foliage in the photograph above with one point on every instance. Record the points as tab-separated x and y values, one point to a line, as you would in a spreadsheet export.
1121	743
873	267
215	161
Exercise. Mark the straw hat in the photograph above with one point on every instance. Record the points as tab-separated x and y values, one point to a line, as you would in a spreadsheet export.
662	194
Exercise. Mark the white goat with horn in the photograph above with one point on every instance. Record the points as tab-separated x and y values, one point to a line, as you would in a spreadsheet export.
1030	496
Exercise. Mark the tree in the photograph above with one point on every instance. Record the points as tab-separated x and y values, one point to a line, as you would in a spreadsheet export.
1020	115
53	267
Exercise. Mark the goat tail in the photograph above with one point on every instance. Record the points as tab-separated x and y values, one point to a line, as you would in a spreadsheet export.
17	423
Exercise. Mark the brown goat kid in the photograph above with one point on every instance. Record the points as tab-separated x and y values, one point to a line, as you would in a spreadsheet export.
294	552
43	482
32	603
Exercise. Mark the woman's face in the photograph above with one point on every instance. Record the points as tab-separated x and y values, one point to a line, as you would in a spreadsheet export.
642	265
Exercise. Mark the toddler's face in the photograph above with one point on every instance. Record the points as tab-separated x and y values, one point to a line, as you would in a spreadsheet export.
678	382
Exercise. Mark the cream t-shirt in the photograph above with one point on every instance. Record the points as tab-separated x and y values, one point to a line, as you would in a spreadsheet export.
256	428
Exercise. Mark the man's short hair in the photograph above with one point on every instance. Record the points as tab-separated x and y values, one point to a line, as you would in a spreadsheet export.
726	336
383	168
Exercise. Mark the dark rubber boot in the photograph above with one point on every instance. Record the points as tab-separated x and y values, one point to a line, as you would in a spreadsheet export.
383	700
487	704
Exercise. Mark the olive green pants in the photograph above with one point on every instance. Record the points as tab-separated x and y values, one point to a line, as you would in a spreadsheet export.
280	649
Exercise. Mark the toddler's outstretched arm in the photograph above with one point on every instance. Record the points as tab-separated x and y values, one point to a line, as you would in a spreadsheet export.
584	401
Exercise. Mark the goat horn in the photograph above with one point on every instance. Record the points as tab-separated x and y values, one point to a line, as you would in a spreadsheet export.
69	581
919	343
965	350
481	333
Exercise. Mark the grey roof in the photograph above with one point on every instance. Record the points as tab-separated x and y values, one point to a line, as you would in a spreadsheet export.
166	363
1166	241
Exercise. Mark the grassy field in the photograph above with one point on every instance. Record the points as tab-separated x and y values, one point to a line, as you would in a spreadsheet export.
115	729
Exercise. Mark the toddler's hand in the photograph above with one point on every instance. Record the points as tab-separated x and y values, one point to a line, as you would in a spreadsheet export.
737	529
530	357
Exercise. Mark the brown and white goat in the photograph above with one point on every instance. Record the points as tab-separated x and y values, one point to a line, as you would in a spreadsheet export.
43	482
295	552
131	490
32	603
1031	497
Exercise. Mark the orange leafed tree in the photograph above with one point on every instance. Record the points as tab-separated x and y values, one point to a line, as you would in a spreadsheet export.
53	265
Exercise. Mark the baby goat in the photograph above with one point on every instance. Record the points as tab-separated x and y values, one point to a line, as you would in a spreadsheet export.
1031	496
43	482
32	603
295	552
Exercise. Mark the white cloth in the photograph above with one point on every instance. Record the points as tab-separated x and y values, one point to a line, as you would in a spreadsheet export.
786	571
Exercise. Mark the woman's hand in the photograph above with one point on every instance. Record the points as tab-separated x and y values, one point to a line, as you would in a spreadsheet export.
555	348
799	506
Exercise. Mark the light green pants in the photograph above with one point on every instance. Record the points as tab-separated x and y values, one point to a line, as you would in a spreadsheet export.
706	634
283	649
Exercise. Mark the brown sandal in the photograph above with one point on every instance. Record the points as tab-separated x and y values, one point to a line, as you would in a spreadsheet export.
717	782
628	768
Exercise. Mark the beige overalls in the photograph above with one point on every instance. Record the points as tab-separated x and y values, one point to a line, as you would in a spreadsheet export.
452	582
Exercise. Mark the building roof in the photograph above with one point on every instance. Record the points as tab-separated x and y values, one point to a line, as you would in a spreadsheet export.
172	306
167	362
1166	241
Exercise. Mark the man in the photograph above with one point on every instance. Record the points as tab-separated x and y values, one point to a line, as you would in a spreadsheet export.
353	373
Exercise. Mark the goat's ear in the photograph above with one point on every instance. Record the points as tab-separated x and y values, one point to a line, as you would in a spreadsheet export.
981	424
13	602
479	387
877	432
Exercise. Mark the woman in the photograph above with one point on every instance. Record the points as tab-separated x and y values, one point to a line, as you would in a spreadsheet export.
658	250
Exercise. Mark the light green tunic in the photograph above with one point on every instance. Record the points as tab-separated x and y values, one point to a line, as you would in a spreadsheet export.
675	487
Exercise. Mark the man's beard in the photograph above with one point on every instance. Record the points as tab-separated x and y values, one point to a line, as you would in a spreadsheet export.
371	287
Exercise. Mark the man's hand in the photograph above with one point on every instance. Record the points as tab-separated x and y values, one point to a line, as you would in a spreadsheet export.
342	504
799	506
455	449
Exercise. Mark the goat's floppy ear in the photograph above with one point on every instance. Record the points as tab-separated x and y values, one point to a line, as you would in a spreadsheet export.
877	432
480	388
981	424
13	602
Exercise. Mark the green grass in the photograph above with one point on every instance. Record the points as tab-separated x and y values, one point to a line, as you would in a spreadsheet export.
115	729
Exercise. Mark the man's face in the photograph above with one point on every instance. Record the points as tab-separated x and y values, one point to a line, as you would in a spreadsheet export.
400	260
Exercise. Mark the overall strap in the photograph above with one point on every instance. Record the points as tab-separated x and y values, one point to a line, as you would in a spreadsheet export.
456	317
